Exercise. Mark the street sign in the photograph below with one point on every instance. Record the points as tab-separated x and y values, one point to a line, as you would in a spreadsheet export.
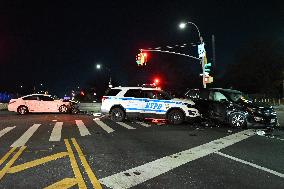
201	50
208	79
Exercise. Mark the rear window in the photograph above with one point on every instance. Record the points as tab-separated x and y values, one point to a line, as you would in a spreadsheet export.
112	92
136	93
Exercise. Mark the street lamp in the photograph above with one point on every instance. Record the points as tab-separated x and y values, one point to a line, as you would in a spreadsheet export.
182	25
99	66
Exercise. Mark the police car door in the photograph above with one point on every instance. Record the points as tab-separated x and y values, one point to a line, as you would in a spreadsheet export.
152	104
134	101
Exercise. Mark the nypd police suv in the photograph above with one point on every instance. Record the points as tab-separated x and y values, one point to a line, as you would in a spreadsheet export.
133	102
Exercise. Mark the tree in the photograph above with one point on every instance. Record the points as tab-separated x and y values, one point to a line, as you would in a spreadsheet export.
258	69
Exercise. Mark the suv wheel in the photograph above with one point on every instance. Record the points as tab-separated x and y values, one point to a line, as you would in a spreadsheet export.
237	120
117	114
22	110
176	117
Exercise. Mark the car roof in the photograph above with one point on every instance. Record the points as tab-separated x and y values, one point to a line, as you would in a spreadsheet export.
35	94
220	89
142	88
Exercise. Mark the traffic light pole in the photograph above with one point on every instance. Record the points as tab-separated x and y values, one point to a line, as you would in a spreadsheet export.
203	73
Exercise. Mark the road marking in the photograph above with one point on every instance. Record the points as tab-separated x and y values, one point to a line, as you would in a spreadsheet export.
56	132
96	184
75	166
6	156
64	183
6	130
26	136
128	178
251	164
125	125
82	128
37	162
104	126
10	163
143	124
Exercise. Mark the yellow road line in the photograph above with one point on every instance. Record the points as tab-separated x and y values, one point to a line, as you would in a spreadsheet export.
74	165
64	183
6	156
10	163
37	162
96	184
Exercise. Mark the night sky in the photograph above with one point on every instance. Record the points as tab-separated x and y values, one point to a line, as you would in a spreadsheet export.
58	43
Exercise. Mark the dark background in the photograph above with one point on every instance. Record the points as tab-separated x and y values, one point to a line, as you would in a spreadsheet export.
58	43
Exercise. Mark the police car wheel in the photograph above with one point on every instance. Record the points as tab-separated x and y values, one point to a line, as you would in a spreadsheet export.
117	114
176	117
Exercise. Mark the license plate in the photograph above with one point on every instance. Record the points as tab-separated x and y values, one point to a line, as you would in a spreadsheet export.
272	121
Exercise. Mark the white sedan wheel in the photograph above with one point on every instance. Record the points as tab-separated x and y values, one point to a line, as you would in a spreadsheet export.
63	109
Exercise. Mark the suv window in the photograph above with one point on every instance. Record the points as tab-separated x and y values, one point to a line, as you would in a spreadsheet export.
33	97
112	92
204	94
193	94
154	94
46	98
136	93
217	96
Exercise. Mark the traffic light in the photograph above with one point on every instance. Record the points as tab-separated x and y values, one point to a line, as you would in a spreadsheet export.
207	68
141	58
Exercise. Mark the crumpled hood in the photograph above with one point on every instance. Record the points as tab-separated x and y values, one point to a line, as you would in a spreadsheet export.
184	100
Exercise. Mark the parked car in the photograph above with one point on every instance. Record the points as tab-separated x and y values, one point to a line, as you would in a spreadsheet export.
38	103
143	102
230	106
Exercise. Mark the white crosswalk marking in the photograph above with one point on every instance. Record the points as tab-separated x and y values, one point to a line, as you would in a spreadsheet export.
26	136
128	178
143	124
56	132
125	125
6	130
104	126
82	128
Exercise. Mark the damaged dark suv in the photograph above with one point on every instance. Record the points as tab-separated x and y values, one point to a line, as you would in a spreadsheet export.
231	107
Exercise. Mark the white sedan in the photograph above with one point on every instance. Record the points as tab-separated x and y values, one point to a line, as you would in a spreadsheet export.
38	103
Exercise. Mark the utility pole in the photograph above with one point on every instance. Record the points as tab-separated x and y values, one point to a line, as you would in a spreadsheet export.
213	51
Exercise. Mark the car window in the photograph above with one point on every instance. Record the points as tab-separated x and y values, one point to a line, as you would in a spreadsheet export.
204	94
112	92
46	98
136	93
155	94
219	97
193	94
33	97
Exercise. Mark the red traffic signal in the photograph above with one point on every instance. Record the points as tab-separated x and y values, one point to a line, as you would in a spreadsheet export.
141	58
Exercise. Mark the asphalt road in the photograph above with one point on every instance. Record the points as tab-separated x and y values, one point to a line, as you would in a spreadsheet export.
81	151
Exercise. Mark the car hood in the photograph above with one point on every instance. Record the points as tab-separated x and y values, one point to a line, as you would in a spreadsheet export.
257	105
184	100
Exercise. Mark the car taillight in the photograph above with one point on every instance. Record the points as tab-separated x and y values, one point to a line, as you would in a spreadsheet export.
104	98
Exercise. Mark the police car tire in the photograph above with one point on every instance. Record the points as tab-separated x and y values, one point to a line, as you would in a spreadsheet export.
117	111
176	117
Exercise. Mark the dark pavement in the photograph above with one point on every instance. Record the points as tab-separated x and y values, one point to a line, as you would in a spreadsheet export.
76	151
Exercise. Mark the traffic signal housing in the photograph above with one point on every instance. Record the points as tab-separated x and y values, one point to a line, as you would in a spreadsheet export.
207	68
141	59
